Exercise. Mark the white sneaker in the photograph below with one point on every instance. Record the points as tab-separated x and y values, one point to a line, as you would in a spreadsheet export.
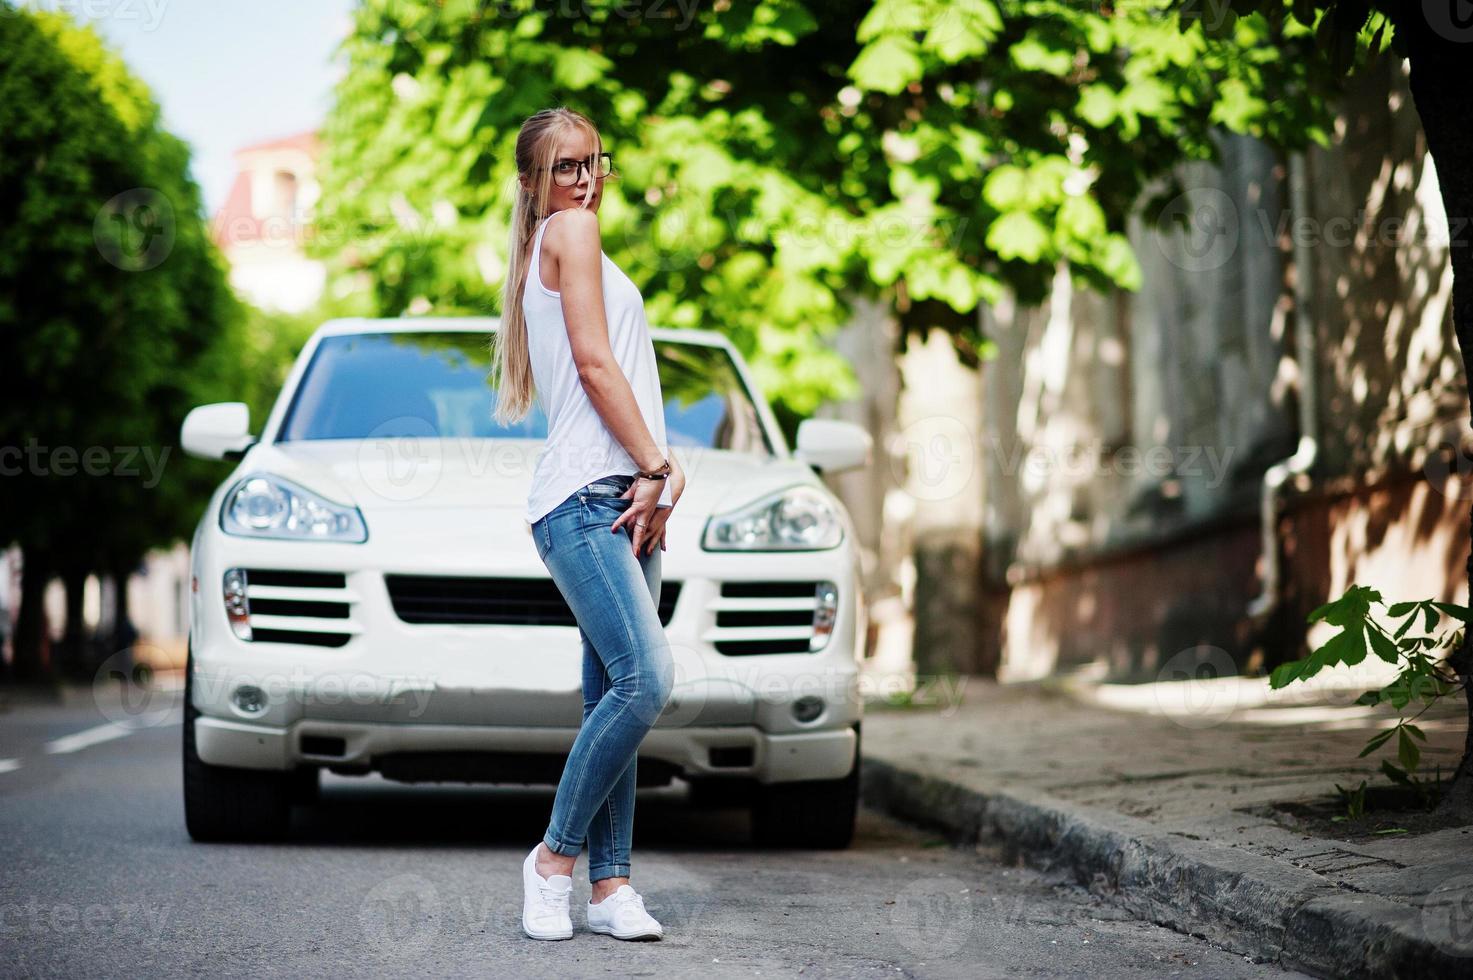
545	902
622	916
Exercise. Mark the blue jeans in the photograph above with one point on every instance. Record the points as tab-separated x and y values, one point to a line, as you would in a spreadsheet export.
628	670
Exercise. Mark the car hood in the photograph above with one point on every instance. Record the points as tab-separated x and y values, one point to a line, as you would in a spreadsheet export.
380	475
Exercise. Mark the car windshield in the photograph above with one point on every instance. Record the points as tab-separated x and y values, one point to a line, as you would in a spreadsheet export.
382	385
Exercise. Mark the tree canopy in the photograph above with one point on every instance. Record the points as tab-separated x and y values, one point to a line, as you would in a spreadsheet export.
114	310
777	158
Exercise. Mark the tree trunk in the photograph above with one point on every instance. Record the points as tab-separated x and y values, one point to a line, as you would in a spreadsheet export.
31	647
124	635
1446	111
72	651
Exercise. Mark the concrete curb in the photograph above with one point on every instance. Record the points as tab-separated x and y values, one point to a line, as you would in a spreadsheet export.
1241	901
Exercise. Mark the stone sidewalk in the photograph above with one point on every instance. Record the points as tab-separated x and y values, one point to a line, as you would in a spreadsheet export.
1165	795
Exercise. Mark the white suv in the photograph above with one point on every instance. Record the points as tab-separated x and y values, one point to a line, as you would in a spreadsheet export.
366	594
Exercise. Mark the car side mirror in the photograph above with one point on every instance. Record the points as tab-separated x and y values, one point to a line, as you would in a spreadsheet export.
218	431
832	446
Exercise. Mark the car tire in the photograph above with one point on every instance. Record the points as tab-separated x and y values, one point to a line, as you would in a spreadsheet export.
720	793
222	803
305	784
815	813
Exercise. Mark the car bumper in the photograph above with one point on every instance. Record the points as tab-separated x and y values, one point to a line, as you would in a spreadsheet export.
694	751
395	685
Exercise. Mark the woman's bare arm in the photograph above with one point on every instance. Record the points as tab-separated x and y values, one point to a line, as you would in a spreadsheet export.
576	246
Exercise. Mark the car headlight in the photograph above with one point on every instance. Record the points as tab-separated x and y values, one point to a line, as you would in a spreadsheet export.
796	519
266	506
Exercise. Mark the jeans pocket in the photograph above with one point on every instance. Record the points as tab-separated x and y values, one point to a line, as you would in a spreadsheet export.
611	487
542	538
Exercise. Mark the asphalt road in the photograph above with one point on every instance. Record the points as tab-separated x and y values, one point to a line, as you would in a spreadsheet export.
100	879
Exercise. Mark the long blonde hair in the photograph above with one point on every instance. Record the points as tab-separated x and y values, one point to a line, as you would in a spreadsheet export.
511	361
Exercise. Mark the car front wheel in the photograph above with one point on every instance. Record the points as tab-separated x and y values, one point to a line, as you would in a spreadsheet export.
816	813
222	803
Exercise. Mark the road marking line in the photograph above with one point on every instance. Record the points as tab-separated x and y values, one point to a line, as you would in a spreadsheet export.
9	765
80	740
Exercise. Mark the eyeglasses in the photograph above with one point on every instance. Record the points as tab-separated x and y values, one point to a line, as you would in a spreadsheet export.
565	172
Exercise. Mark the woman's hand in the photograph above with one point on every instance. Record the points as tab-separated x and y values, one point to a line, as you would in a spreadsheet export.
656	530
646	510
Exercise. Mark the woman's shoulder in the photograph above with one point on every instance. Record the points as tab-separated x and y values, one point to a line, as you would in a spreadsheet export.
576	220
574	233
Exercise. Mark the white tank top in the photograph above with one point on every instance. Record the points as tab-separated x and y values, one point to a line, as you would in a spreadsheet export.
580	448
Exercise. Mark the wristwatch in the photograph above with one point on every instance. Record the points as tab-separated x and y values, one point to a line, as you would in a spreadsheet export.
659	473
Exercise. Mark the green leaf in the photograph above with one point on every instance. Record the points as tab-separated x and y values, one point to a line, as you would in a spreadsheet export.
887	64
1375	742
1457	612
962	29
1287	673
1407	751
1097	105
1005	187
579	67
1320	612
1383	647
1415	731
1402	608
1394	774
1115	257
1030	54
1082	218
1018	235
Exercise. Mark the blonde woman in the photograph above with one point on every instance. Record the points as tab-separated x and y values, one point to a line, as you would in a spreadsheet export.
573	328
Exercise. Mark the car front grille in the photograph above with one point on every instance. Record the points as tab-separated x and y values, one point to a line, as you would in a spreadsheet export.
309	608
462	601
764	617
